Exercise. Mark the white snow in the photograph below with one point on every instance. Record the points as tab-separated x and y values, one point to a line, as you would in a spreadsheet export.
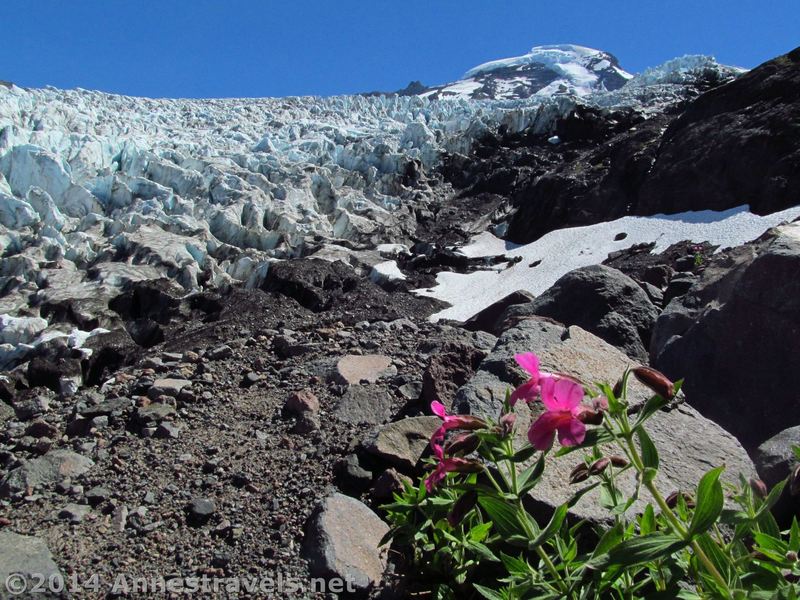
564	250
386	271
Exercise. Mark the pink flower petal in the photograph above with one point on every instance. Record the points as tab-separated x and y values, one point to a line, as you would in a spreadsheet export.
568	393
438	409
547	387
543	431
571	433
529	362
527	391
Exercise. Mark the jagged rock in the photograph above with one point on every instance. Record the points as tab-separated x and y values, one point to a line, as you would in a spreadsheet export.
29	556
342	539
388	483
775	461
167	387
152	414
369	404
448	369
354	369
311	282
403	442
736	141
74	513
601	300
304	401
351	477
688	443
6	412
570	350
735	337
45	471
487	319
200	510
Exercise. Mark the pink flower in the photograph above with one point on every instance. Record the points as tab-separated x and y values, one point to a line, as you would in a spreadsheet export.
562	399
450	465
530	389
467	422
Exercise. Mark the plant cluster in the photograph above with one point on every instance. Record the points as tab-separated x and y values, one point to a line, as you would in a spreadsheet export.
468	528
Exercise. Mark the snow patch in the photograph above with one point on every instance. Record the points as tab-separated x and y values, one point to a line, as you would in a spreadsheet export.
559	252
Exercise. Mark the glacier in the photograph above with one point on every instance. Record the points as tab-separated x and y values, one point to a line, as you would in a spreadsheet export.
99	190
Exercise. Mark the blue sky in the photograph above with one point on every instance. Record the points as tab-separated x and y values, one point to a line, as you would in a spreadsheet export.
236	48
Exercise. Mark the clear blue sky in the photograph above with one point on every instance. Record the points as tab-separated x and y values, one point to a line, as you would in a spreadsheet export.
224	48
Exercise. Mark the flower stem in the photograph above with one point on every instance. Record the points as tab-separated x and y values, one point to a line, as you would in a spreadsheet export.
676	524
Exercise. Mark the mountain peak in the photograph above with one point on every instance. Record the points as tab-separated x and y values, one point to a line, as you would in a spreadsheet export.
544	71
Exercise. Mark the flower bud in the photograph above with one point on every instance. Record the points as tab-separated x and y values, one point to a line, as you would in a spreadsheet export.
507	423
794	481
462	465
759	487
589	416
468	423
463	443
672	499
579	473
617	389
461	507
791	556
599	466
619	461
656	381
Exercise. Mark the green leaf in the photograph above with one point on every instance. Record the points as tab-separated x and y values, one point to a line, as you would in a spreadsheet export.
488	593
594	437
503	514
479	532
647	524
483	551
772	498
514	565
710	502
649	451
530	476
639	550
794	536
651	407
552	527
524	453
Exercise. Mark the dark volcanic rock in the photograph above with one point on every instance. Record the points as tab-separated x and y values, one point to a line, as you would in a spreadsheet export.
45	471
487	319
736	144
601	300
313	283
735	338
775	460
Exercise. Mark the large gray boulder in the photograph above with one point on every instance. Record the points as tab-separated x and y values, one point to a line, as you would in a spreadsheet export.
775	460
689	444
27	556
342	541
601	300
45	471
735	338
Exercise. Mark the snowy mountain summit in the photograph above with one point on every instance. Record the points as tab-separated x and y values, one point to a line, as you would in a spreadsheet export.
544	71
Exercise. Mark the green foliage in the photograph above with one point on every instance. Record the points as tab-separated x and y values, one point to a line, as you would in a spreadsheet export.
474	536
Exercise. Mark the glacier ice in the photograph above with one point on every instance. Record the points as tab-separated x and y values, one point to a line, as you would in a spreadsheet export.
98	190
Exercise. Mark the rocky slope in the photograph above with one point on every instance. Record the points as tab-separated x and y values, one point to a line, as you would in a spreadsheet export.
216	360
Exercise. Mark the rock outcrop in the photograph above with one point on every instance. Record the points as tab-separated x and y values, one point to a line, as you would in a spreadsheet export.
735	338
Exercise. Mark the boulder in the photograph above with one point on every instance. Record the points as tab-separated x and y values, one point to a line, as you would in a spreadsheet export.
601	300
487	319
735	338
354	368
342	540
689	444
734	144
45	471
402	443
775	461
369	404
29	556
